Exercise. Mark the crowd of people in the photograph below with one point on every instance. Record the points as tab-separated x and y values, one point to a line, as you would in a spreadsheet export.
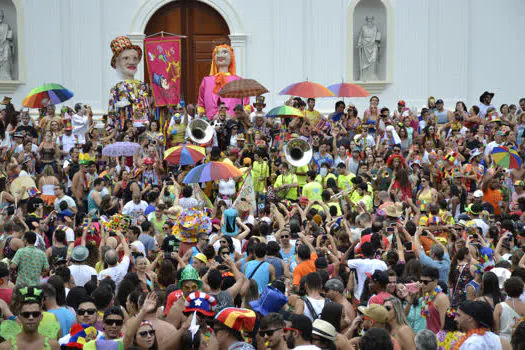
402	230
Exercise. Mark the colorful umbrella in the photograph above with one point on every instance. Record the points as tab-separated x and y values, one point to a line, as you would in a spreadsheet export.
46	94
121	149
212	171
307	89
285	111
242	88
184	154
506	157
348	90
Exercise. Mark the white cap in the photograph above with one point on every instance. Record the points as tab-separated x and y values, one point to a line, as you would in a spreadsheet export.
478	194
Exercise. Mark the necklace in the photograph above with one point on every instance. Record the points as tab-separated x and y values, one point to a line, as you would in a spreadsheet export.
429	301
479	331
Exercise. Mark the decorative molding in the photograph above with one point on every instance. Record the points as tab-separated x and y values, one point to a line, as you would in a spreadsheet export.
238	43
10	86
376	86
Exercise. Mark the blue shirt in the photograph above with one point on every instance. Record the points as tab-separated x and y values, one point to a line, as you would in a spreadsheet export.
65	317
442	265
261	276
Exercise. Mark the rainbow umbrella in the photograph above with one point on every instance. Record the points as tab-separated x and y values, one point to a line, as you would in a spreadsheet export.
348	90
184	154
212	171
307	89
506	157
285	111
47	94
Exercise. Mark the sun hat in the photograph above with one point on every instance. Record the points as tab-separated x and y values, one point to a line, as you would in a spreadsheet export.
271	300
79	253
394	210
200	302
375	312
237	319
119	45
189	274
486	93
324	329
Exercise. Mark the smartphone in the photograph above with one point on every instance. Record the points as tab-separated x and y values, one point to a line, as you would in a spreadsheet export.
390	229
413	288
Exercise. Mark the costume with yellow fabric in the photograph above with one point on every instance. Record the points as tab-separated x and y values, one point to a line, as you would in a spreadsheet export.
222	71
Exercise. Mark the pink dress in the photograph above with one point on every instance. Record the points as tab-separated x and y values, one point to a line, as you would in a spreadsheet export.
210	100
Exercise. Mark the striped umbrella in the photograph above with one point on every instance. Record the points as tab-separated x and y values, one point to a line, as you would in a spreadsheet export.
242	88
348	90
212	171
47	94
506	157
307	89
184	154
285	111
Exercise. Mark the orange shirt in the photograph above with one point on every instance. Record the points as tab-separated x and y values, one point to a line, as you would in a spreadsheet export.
493	197
304	268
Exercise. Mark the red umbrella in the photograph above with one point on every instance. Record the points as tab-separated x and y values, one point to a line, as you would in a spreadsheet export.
348	90
307	89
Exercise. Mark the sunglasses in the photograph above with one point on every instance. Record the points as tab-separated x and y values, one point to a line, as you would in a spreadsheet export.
83	312
425	282
165	228
113	322
285	236
223	242
268	332
28	314
144	334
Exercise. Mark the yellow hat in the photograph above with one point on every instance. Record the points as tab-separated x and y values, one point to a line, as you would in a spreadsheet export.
201	257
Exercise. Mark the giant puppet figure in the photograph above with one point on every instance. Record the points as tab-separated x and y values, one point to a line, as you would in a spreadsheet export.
129	99
222	71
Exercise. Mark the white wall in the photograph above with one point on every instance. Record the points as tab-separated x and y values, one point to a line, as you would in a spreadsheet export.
446	48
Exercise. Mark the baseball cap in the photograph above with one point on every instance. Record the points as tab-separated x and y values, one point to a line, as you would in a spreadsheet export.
379	276
375	312
439	101
478	194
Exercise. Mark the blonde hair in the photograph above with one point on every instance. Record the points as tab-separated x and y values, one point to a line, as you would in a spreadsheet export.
398	309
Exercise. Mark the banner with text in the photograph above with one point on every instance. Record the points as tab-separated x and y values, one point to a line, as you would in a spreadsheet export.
163	61
246	193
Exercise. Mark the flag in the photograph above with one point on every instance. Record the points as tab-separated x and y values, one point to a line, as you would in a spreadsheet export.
247	193
201	197
163	59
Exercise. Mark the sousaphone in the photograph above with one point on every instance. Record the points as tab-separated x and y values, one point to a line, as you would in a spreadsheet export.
298	152
200	131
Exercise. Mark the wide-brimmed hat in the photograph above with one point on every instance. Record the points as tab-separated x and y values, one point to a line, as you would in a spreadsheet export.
200	302
394	210
486	93
120	44
271	300
79	253
324	329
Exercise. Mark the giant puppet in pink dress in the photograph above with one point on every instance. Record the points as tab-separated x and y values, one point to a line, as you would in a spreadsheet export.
222	71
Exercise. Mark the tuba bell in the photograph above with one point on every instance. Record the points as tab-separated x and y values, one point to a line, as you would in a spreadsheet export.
298	152
200	131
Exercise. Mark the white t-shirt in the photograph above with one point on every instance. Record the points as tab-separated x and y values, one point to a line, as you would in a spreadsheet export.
116	273
70	202
134	210
364	266
82	274
487	341
139	247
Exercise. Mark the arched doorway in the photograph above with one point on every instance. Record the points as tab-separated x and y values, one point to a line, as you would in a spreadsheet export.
204	27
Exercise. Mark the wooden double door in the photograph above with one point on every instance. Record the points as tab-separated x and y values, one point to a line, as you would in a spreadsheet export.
204	29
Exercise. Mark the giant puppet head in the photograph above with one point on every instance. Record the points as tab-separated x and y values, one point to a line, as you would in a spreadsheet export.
126	57
223	60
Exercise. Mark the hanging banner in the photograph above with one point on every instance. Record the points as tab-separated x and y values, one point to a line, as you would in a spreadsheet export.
163	60
246	193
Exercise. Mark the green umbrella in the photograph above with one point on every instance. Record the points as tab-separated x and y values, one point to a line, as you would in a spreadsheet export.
285	111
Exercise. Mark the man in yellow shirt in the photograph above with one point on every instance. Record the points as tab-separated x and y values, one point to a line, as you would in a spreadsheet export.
286	184
313	189
260	173
344	178
301	173
364	196
312	116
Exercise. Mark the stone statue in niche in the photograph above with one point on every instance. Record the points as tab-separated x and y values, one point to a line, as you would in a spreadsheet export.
368	44
6	49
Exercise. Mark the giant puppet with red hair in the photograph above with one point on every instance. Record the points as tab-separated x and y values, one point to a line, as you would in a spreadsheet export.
222	71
